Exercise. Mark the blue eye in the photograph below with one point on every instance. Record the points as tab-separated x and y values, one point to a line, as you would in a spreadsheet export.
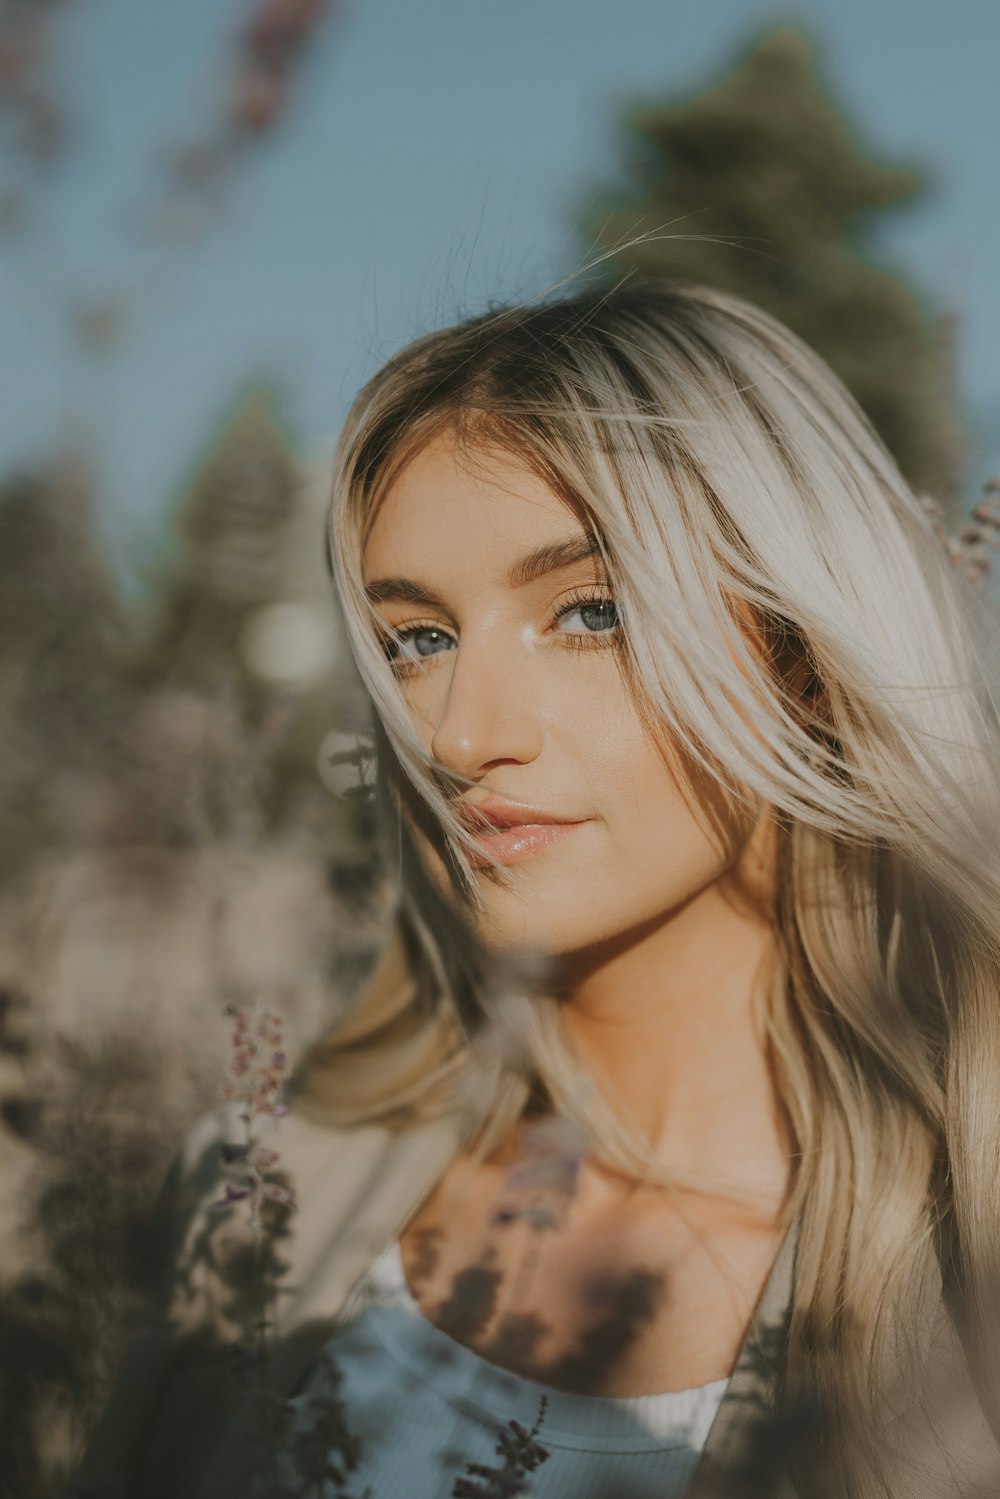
589	619
395	649
600	616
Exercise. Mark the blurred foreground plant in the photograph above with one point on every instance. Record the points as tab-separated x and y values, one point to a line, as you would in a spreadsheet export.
521	1454
257	1065
972	547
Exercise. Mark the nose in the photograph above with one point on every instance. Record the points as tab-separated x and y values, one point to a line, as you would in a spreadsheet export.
489	717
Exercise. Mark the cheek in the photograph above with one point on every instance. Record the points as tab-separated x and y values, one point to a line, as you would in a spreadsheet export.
424	702
658	832
650	845
663	837
646	794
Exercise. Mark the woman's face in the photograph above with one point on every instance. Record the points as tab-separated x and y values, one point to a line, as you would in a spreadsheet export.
512	678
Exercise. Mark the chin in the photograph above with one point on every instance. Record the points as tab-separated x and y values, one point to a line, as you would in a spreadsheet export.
511	922
549	912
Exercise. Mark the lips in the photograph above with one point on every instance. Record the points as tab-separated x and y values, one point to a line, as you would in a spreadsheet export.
488	815
513	832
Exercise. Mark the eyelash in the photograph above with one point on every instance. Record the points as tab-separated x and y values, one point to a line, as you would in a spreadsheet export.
586	639
575	640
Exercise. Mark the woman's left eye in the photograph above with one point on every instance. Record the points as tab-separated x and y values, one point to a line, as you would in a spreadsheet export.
599	615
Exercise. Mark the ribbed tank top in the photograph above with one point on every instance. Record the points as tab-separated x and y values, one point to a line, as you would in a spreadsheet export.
421	1406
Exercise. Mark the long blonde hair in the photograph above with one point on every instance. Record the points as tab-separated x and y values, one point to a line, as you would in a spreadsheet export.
723	467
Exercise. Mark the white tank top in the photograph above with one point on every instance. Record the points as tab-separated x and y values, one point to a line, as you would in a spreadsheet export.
419	1407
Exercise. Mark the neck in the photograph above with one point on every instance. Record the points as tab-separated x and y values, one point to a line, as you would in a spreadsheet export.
669	1022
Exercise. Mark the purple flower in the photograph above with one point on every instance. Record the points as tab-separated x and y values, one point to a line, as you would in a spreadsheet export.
519	1450
545	1176
256	1071
233	1194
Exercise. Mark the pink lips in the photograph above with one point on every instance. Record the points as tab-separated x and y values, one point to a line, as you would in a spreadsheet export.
520	831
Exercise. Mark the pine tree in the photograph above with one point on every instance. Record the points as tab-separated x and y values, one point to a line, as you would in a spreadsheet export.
759	185
230	526
229	745
63	640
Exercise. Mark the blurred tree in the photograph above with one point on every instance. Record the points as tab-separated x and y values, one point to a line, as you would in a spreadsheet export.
63	639
230	526
88	1260
206	726
759	185
233	676
167	840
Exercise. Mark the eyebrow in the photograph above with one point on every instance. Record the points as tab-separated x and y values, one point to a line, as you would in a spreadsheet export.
537	564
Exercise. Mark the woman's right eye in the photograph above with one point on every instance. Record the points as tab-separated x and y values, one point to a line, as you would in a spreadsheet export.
425	639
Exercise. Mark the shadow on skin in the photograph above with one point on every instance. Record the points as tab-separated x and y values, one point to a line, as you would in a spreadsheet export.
214	1384
622	1304
619	1304
470	1307
426	1248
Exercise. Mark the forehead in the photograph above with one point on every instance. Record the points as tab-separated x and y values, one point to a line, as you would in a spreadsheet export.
454	504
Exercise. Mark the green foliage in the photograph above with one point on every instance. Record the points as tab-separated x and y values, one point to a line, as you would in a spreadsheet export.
230	525
196	716
758	184
62	642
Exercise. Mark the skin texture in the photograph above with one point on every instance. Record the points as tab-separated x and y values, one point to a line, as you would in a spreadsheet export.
658	907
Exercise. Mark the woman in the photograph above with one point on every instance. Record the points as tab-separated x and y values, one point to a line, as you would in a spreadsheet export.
675	1096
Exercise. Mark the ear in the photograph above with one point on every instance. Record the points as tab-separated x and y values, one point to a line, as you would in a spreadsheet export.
786	655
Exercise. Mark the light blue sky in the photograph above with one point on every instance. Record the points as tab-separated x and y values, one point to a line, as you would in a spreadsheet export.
438	157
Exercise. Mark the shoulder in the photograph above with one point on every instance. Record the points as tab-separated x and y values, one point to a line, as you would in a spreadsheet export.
211	1156
332	1171
352	1186
205	1155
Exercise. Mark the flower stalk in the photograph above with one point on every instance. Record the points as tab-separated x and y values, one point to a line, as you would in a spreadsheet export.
258	1064
521	1454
